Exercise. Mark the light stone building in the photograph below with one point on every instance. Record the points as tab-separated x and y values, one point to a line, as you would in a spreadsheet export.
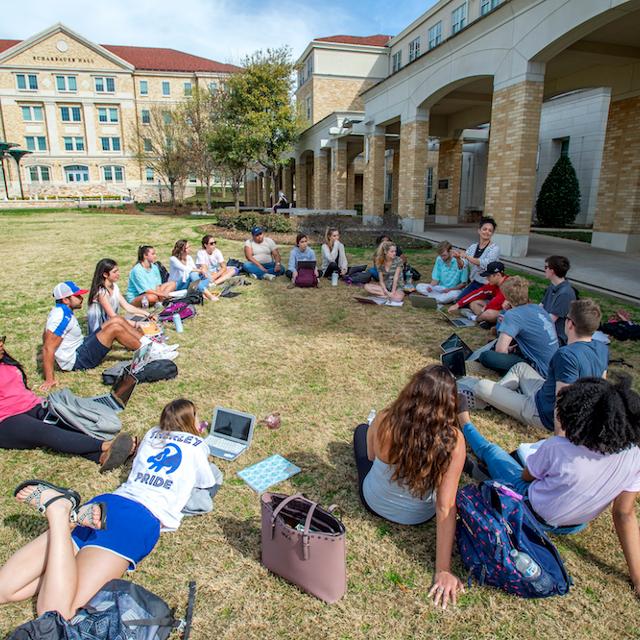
77	105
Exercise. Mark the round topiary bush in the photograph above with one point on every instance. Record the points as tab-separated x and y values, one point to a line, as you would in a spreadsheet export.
558	202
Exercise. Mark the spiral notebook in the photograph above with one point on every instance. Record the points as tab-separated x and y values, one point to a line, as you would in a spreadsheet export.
266	473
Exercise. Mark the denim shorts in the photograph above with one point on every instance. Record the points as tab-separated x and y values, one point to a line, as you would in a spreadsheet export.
132	531
90	353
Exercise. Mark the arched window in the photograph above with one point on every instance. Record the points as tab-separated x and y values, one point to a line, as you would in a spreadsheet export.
76	173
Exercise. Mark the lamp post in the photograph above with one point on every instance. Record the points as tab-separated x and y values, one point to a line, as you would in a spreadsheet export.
4	147
17	155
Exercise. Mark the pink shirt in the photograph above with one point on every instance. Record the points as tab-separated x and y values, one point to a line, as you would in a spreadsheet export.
15	398
575	484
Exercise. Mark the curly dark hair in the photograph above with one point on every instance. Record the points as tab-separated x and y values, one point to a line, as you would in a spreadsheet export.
422	431
602	415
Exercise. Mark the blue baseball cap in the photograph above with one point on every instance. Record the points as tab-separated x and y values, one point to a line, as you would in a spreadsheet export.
256	231
68	288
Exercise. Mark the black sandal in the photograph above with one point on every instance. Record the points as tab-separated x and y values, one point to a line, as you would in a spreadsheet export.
33	499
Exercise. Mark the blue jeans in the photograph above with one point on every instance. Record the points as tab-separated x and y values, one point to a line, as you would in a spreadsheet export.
270	267
193	276
500	362
503	468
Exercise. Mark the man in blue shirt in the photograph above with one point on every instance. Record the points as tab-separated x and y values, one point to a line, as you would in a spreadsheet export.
526	396
448	278
559	294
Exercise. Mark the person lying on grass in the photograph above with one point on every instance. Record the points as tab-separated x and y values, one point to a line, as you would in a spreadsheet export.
66	566
409	463
22	425
390	278
592	460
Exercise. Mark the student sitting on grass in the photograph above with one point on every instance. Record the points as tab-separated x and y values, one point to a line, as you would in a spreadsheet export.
183	270
116	531
526	396
211	259
448	279
145	280
529	325
105	298
409	463
22	426
301	252
262	256
403	256
390	278
64	344
559	295
592	460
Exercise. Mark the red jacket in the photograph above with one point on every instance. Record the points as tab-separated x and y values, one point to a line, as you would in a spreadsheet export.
485	292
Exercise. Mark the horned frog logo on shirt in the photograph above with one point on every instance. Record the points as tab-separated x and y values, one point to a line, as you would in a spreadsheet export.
170	458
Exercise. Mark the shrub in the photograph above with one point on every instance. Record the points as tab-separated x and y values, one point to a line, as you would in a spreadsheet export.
140	206
558	203
246	220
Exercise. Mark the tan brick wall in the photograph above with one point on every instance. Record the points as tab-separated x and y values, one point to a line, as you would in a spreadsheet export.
373	181
321	180
339	176
513	145
413	167
287	182
449	168
395	179
619	189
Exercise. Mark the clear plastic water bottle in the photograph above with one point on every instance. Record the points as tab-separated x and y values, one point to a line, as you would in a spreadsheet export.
371	417
177	322
144	303
408	280
526	566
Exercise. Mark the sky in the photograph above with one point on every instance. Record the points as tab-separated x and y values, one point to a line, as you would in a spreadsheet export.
223	30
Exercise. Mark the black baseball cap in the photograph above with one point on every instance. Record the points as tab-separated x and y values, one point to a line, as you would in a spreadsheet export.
493	267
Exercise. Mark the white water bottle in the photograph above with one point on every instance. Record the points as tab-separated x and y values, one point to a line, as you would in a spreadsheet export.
371	417
334	279
144	303
525	564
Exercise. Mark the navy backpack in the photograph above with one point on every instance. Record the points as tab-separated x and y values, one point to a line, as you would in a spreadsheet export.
493	520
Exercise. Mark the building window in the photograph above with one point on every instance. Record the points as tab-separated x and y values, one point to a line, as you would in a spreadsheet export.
32	114
429	184
300	77
488	5
188	89
309	66
73	143
459	18
76	173
145	116
166	88
166	117
148	174
564	148
146	145
27	81
396	62
213	86
110	143
66	83
105	85
435	35
144	88
113	173
309	108
414	49
70	114
388	191
39	174
107	114
35	143
192	177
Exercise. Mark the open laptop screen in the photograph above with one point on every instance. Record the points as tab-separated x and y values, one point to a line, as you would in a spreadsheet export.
454	361
232	424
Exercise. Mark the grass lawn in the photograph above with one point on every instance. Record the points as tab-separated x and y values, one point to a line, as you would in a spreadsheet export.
323	361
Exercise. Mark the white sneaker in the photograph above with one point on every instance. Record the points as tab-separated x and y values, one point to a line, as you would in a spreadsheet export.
269	276
254	276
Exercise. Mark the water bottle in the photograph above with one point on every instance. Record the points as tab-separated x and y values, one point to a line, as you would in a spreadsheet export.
334	279
144	303
371	417
525	565
408	280
177	322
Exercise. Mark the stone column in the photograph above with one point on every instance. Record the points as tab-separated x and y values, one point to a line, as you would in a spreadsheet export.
287	182
321	179
412	188
373	179
266	190
339	175
351	185
617	222
395	180
301	184
511	170
449	169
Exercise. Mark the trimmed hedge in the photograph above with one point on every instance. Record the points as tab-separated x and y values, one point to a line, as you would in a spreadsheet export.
246	220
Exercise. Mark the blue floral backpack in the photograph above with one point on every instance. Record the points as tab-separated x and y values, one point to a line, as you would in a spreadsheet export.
503	545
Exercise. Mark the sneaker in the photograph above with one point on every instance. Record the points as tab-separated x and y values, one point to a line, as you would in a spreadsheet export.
269	276
483	324
467	313
253	275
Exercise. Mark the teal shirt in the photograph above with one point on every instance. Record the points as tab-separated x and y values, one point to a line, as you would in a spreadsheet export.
141	280
449	275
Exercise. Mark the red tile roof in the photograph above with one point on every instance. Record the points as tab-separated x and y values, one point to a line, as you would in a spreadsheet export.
156	59
372	41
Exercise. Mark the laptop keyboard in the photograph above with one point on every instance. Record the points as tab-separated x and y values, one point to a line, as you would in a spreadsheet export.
226	445
107	401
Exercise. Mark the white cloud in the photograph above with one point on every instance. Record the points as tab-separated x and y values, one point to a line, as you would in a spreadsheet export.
219	29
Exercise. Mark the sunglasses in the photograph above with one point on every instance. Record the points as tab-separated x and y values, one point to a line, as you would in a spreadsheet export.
211	242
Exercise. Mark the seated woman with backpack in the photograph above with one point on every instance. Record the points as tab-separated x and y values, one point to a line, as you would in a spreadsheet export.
592	460
302	252
409	463
390	277
145	279
23	426
105	298
65	567
183	270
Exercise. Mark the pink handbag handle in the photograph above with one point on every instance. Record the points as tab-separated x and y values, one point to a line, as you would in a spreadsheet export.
307	522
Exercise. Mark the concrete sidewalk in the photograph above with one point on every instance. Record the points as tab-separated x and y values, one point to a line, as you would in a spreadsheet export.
610	272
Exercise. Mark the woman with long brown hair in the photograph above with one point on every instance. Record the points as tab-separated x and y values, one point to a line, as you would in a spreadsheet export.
409	464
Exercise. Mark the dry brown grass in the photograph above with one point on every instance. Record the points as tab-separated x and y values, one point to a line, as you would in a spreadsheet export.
323	362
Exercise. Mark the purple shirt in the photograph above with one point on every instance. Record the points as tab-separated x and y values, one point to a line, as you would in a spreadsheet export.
574	484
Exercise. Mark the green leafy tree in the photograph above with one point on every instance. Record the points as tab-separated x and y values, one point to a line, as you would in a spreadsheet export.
558	202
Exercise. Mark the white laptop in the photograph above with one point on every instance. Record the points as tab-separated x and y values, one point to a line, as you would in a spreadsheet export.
231	433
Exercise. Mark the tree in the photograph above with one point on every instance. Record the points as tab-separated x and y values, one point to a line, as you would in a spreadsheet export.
264	91
160	145
558	202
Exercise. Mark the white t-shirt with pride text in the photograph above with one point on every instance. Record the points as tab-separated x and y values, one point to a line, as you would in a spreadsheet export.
167	467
